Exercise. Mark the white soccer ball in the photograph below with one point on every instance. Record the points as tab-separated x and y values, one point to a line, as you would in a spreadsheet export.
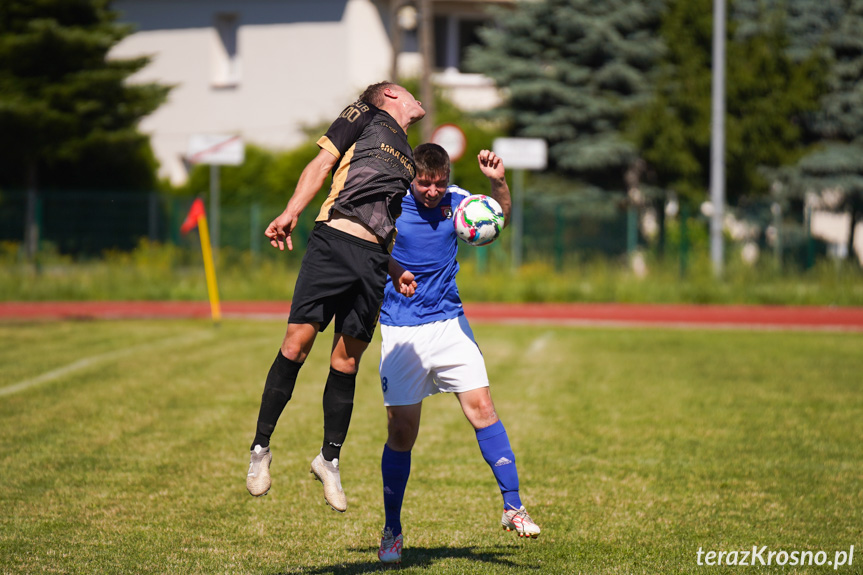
478	220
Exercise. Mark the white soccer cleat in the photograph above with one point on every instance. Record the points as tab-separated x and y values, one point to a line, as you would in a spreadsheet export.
258	478
391	547
519	521
327	472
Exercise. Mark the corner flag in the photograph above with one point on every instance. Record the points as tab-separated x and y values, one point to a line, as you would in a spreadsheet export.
197	217
196	212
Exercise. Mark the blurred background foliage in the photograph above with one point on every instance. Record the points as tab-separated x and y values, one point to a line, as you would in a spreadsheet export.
619	89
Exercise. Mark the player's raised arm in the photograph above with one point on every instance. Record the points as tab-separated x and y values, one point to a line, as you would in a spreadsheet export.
310	182
492	166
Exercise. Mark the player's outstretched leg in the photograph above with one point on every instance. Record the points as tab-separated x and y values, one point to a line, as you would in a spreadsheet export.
519	521
338	402
497	452
277	392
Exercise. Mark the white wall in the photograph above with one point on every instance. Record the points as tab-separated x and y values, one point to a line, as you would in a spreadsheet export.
833	228
300	62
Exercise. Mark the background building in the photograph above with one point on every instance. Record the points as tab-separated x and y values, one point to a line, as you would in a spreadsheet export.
268	69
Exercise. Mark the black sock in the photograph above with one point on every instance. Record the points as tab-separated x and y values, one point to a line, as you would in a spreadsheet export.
277	392
338	406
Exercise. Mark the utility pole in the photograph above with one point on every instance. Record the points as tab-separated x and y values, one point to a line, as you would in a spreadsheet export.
717	139
427	48
396	38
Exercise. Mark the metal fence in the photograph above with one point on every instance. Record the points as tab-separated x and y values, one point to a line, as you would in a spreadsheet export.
559	234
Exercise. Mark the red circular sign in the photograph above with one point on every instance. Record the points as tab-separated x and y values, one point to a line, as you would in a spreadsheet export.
452	139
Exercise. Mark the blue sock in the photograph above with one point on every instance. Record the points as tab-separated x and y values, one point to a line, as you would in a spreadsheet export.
395	470
494	445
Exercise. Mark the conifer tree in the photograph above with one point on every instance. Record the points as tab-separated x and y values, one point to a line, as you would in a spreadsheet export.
62	99
68	118
572	71
836	162
768	96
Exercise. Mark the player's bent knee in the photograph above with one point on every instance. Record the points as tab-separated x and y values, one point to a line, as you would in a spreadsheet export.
400	443
293	352
402	435
481	416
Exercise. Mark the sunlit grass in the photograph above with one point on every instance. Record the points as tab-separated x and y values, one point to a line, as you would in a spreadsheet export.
634	447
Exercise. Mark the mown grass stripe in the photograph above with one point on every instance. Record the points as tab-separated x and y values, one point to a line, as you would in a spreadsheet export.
93	360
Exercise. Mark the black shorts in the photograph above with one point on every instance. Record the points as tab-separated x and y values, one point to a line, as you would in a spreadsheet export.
342	276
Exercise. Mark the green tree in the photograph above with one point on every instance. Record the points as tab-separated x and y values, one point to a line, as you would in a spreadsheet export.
572	71
836	163
768	95
68	117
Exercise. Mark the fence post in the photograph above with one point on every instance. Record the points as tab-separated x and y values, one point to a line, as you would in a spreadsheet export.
481	259
174	218
153	216
558	240
684	239
215	201
517	218
631	229
776	210
33	223
810	243
254	224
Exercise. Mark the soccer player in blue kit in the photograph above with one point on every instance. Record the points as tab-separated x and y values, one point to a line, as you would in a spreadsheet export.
428	346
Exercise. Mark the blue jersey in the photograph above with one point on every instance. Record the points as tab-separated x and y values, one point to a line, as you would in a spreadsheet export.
426	245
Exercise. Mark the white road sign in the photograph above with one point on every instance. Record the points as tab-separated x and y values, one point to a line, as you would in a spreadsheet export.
522	153
216	149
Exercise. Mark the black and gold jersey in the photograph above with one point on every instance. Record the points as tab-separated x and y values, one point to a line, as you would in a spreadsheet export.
374	169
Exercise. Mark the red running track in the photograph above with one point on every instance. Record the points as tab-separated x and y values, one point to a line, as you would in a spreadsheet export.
713	316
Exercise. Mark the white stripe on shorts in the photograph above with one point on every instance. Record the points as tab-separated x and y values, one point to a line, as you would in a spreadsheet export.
422	360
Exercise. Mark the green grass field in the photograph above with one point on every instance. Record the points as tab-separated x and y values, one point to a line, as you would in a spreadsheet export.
123	449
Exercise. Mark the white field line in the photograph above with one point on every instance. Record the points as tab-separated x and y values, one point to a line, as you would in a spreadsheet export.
92	360
540	343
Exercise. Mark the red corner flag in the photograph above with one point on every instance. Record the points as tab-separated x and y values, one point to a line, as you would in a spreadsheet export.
196	212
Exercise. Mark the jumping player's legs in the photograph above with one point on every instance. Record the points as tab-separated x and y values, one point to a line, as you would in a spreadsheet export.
282	377
355	276
278	388
338	400
299	339
338	404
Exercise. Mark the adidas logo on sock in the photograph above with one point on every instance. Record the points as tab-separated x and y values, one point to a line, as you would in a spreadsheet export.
502	461
387	490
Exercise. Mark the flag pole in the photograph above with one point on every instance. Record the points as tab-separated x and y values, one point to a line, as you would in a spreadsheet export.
209	269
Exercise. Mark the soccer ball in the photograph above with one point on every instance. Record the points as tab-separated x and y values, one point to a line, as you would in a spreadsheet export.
478	220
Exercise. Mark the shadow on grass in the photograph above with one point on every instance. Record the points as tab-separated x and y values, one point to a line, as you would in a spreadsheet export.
423	557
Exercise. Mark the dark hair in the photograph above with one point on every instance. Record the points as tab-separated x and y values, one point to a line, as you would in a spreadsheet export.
431	160
374	94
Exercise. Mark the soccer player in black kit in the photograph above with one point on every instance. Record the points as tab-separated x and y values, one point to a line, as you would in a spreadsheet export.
344	269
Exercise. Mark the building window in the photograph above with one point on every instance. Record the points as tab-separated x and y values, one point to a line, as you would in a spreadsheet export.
226	56
453	34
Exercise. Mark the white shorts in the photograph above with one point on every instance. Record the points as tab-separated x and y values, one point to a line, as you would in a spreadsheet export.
422	360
